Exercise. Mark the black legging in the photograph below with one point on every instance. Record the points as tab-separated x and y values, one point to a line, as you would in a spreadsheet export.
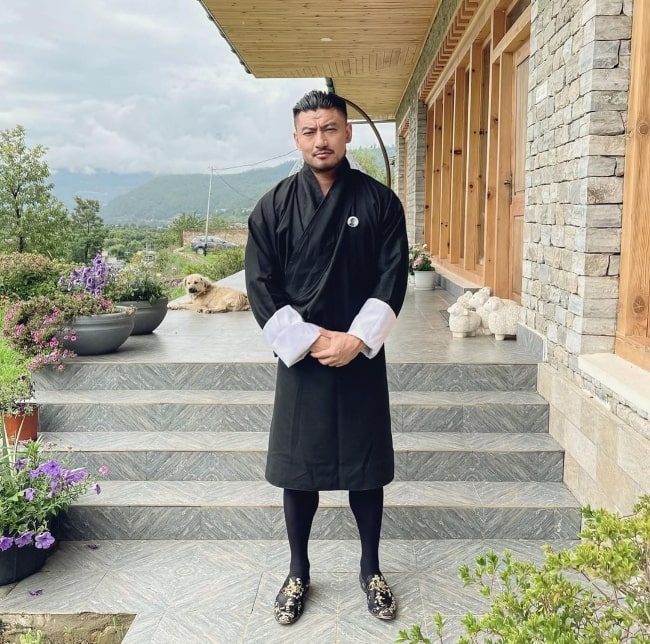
299	510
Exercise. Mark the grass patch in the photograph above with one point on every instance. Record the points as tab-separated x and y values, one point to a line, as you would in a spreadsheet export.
64	628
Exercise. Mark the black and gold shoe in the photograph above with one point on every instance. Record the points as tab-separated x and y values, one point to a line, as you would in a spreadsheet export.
381	601
289	602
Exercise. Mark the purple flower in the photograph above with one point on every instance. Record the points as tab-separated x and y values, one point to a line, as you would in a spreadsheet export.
44	541
29	493
24	539
6	543
20	463
75	477
51	468
96	488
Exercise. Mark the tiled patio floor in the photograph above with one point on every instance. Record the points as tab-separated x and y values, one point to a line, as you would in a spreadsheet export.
214	592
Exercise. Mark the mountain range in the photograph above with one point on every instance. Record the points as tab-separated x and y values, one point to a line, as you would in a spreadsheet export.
151	200
154	200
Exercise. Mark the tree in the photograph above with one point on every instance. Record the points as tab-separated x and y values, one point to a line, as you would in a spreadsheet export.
89	232
184	222
369	160
31	218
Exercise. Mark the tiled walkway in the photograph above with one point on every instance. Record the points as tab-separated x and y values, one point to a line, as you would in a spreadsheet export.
214	592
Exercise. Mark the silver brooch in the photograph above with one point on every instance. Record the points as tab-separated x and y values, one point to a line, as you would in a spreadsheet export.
353	222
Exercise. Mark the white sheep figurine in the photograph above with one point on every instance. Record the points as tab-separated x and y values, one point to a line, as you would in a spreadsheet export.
463	322
503	316
476	302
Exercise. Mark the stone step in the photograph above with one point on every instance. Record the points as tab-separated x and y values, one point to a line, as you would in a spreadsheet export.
106	372
220	411
205	456
253	510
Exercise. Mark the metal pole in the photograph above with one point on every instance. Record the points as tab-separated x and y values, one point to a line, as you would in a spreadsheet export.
207	214
376	131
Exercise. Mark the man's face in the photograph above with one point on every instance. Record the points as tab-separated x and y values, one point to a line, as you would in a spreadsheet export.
321	136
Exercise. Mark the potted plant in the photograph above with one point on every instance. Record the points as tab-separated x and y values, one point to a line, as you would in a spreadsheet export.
34	491
421	267
50	329
94	323
19	411
139	287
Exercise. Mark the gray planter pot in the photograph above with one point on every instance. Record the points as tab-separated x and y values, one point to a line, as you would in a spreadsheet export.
97	334
147	316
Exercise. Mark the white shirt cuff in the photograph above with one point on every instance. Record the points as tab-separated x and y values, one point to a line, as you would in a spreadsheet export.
289	335
372	324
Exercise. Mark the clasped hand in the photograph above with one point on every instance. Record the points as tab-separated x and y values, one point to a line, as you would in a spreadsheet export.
335	348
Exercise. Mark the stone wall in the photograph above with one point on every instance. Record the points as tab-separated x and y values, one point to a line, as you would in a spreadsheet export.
413	146
578	94
579	78
606	444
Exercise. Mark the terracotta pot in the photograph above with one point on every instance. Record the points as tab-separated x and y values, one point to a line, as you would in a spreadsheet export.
22	427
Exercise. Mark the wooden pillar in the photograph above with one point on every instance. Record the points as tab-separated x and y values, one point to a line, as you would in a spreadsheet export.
633	324
457	179
445	178
472	176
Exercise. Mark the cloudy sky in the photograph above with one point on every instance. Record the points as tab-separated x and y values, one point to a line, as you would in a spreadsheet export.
140	86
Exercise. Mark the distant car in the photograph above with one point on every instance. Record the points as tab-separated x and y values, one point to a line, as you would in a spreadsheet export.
203	244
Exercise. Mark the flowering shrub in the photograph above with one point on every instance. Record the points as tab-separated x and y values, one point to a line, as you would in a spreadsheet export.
419	259
24	275
34	326
33	490
91	279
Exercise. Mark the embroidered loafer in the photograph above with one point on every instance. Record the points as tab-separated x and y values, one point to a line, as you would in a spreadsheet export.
289	602
381	601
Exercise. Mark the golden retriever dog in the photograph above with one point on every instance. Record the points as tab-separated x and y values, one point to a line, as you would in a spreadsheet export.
206	297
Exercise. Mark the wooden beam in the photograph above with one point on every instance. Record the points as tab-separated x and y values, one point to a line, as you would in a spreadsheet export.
504	172
491	188
458	157
633	324
436	178
472	176
428	178
515	37
445	179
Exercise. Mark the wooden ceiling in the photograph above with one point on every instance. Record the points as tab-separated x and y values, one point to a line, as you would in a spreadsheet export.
368	47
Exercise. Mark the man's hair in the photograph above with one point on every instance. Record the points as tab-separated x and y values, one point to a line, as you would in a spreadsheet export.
319	100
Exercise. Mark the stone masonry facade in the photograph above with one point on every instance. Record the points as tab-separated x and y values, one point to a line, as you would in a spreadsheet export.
578	96
579	80
577	118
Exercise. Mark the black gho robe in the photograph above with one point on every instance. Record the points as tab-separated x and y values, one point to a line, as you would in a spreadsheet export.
339	262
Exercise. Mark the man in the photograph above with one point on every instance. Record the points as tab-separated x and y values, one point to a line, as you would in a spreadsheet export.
326	272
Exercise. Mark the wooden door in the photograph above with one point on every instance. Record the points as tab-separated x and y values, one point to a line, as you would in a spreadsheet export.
517	178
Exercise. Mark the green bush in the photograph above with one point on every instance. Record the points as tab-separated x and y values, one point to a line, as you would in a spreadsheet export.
216	266
25	275
595	593
224	263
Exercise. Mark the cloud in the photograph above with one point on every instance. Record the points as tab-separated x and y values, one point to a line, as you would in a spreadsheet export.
139	86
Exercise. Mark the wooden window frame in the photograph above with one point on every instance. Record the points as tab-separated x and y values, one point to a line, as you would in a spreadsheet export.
457	189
